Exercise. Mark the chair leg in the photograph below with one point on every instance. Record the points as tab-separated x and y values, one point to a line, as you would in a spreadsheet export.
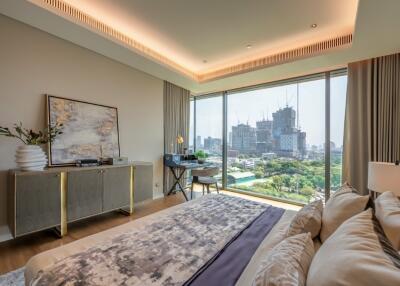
208	189
203	190
191	191
216	185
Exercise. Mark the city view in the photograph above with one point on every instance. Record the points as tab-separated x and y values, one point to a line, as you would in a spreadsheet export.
280	153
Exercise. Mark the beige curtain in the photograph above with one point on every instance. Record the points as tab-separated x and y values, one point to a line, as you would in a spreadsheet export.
176	123
372	121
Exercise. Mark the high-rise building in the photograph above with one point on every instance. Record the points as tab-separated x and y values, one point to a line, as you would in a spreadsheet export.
284	121
244	138
264	136
213	145
302	143
198	142
289	140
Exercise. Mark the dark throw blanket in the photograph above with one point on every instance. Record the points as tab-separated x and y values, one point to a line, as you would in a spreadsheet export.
187	245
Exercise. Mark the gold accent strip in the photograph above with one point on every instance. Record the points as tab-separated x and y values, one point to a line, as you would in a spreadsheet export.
132	188
15	205
64	190
68	11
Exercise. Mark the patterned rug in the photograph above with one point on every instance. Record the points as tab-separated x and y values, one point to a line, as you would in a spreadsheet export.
13	278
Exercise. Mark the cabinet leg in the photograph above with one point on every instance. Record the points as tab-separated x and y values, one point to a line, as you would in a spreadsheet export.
125	212
58	231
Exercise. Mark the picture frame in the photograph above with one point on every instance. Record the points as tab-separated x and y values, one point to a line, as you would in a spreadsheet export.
89	131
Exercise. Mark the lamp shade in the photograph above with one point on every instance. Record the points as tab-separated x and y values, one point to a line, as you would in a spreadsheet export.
384	177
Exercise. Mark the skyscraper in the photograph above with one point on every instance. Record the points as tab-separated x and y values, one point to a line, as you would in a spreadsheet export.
284	121
264	136
244	138
198	142
213	145
289	140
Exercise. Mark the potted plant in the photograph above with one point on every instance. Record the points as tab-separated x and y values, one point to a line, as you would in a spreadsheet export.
201	156
30	156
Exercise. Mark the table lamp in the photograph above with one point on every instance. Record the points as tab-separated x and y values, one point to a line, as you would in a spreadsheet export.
383	177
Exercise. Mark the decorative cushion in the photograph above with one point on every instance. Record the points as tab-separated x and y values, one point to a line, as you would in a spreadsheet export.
357	254
287	263
387	211
344	204
308	219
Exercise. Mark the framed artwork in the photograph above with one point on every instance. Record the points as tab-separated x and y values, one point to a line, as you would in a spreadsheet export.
90	130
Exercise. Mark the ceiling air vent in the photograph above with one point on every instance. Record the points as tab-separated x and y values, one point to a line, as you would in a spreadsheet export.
68	11
79	17
280	58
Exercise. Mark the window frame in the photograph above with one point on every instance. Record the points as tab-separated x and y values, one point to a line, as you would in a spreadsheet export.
327	76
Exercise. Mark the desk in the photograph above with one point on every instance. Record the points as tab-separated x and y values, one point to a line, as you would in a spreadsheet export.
178	169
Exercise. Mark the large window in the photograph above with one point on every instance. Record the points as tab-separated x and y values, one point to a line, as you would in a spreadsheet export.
191	127
208	137
338	104
275	136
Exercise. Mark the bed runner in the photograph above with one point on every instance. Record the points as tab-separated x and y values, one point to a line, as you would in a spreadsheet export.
227	266
166	252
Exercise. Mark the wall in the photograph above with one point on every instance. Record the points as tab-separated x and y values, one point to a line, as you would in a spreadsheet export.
33	63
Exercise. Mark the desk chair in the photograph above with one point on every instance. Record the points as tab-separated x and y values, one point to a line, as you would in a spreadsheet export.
204	177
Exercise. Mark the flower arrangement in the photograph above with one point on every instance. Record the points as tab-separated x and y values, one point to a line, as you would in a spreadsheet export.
30	137
30	156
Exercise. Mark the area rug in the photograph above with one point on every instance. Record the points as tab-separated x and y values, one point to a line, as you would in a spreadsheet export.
13	278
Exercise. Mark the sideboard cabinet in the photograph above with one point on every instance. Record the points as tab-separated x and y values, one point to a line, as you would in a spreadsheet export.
57	196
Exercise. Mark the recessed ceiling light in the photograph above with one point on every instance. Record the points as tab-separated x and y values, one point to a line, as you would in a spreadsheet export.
204	61
313	26
248	46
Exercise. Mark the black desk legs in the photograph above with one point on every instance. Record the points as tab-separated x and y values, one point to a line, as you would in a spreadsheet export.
177	178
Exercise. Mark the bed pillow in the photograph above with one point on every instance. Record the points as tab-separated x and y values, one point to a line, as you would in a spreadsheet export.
357	254
344	204
287	263
317	244
308	219
387	211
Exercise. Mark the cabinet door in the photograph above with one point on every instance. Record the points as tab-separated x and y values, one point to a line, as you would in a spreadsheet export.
38	202
143	183
85	194
116	188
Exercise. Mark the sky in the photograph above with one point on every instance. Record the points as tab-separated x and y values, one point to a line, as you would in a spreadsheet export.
251	106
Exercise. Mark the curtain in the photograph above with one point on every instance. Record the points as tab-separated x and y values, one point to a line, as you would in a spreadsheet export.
176	123
372	120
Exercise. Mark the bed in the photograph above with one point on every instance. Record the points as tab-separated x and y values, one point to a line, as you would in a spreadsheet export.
217	238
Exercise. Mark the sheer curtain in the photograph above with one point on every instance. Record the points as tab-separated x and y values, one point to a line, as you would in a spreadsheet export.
176	123
372	123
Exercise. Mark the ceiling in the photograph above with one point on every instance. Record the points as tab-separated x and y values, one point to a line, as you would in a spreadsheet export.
191	31
183	33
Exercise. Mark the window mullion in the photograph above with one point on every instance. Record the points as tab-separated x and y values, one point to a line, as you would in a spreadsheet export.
327	135
224	139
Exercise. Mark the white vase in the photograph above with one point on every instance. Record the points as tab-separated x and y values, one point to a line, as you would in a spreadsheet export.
30	158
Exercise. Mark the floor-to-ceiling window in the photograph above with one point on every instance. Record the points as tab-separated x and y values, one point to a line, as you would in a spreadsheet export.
276	140
338	103
208	137
191	127
275	136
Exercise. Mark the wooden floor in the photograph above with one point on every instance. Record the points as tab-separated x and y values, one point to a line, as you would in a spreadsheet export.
15	253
